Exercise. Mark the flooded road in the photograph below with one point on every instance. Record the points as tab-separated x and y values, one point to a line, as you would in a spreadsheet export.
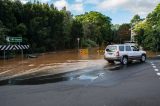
55	67
50	63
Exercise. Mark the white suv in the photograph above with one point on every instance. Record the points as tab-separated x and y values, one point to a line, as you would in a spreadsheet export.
124	53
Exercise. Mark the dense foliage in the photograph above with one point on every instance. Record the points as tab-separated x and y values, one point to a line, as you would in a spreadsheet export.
148	30
47	29
121	33
96	27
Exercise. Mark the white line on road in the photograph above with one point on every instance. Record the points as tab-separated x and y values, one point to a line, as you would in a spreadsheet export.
154	66
156	69
158	74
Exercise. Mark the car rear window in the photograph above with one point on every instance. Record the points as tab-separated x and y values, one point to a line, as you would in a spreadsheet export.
111	48
121	48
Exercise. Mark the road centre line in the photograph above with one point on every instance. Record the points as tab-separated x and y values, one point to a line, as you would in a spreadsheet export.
154	66
156	69
158	74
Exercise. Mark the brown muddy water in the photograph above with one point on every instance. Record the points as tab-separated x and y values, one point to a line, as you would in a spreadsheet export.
54	65
50	63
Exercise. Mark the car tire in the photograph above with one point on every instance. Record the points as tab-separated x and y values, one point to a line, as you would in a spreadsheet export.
124	60
110	61
143	58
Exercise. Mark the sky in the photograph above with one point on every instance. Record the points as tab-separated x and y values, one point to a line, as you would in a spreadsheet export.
120	11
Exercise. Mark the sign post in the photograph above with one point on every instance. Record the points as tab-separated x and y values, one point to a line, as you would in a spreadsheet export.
78	43
14	40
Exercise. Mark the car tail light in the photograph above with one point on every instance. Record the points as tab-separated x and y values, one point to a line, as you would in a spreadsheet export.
117	53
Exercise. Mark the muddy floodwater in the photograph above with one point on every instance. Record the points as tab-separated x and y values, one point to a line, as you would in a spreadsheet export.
50	63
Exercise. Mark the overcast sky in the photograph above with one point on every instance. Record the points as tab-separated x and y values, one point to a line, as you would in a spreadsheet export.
120	11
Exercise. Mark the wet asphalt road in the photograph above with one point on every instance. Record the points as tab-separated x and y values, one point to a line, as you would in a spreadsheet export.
137	84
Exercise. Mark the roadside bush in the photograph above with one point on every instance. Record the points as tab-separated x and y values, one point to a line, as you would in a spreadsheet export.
88	43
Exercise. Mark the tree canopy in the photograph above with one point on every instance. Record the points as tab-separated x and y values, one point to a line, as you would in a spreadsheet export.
45	28
148	30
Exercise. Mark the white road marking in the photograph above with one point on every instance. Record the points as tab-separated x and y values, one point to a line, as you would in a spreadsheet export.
158	74
154	66
156	69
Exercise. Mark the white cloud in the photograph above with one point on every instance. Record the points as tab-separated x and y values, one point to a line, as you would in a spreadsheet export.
89	1
141	7
77	7
60	4
24	1
92	1
44	1
79	1
111	4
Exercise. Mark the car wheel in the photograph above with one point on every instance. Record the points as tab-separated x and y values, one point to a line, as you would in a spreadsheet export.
124	60
111	61
143	58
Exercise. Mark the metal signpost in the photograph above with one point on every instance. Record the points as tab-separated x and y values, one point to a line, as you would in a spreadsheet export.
13	47
78	39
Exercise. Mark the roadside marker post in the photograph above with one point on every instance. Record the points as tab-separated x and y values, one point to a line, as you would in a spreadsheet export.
5	48
83	51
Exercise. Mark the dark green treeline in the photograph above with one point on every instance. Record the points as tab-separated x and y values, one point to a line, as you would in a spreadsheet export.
45	28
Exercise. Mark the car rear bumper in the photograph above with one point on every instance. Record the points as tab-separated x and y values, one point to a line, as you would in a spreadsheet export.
112	58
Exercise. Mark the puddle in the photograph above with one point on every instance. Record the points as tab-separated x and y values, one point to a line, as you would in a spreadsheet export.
34	79
86	77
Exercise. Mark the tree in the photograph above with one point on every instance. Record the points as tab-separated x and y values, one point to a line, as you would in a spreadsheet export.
124	33
67	23
148	30
45	28
96	27
135	19
3	33
76	32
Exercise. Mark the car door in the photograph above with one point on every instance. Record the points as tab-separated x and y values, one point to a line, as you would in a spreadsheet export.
136	53
128	51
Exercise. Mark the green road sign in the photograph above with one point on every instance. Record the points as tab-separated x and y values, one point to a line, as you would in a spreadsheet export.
15	39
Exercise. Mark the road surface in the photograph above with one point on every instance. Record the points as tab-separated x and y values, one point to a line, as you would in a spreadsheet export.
137	84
